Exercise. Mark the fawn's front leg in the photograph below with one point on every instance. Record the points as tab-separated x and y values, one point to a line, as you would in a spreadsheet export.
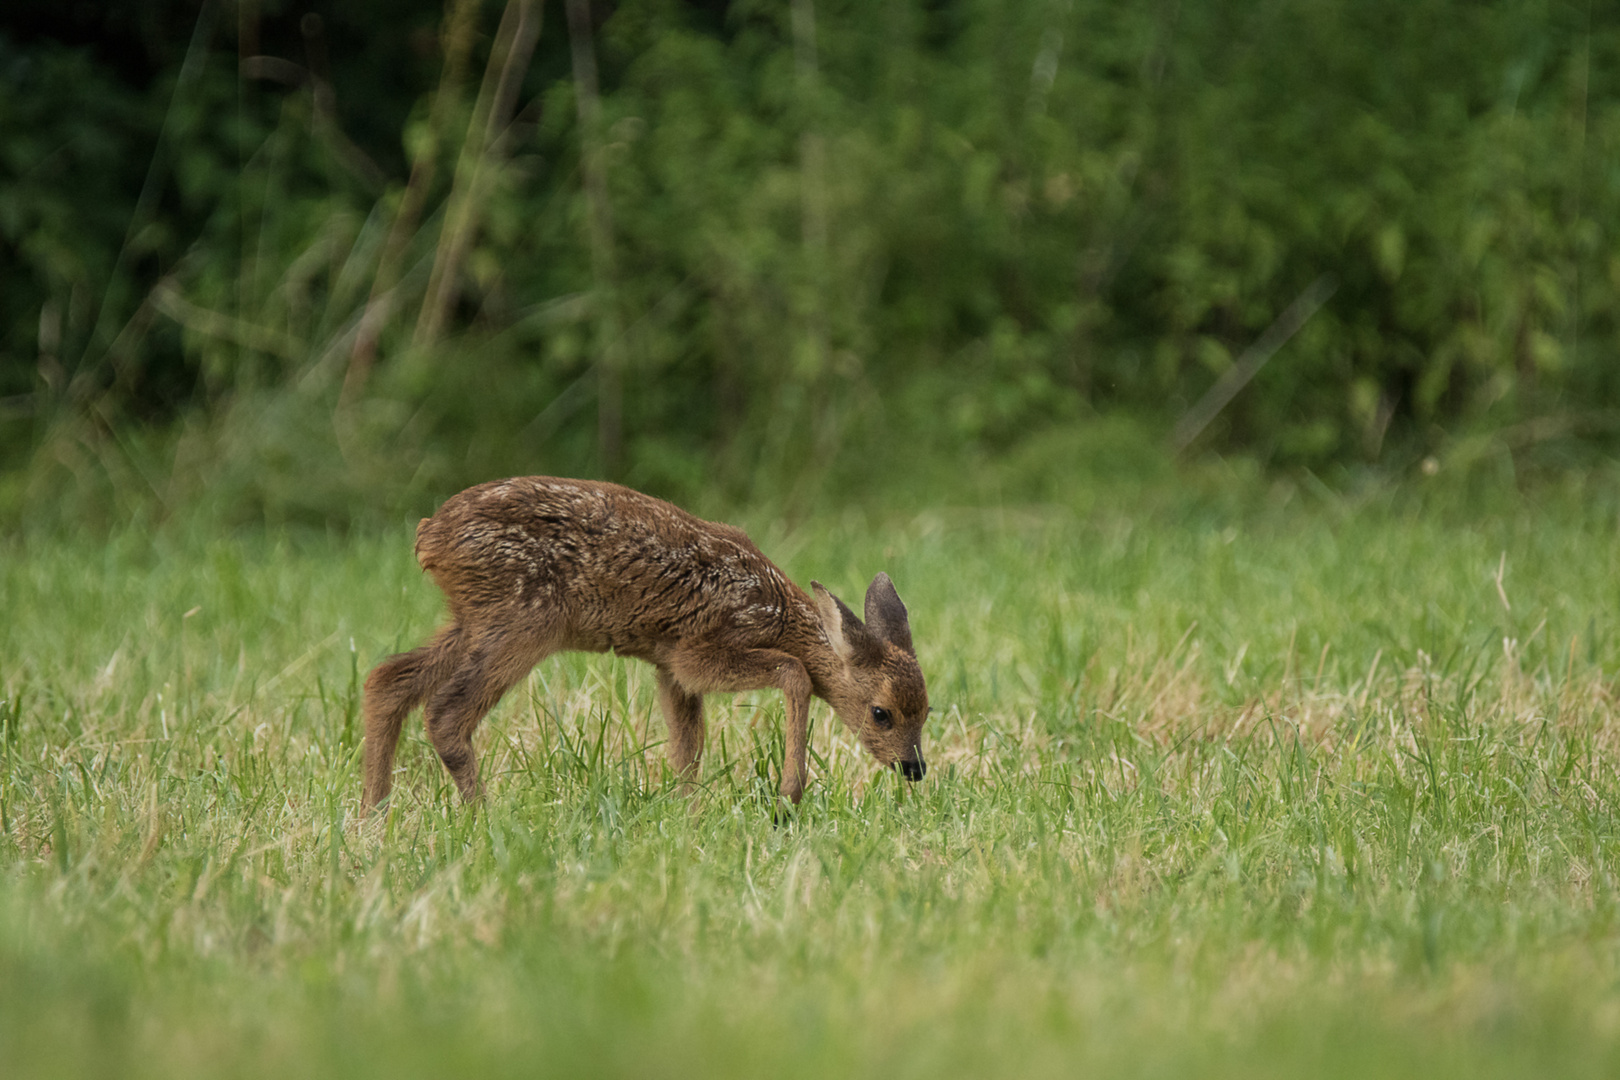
795	763
700	668
683	713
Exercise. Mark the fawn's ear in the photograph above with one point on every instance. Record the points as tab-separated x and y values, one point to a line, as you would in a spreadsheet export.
844	630
886	615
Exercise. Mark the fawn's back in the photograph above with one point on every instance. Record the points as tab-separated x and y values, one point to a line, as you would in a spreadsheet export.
599	567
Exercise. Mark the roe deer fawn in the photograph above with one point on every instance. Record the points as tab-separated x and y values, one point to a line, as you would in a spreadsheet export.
536	565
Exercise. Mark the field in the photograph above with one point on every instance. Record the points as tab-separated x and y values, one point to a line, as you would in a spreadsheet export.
1227	777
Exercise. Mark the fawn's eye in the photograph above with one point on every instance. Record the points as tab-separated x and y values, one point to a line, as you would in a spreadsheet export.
881	717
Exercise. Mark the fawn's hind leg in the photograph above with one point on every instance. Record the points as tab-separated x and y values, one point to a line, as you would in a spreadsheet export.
486	673
683	712
393	689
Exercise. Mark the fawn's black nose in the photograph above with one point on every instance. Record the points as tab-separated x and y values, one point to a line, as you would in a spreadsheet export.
913	770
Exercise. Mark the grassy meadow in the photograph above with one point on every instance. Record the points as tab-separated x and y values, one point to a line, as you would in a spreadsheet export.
1228	776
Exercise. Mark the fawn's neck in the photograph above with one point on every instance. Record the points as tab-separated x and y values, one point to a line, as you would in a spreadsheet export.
806	641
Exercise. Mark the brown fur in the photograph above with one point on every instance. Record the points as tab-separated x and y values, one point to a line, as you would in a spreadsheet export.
536	565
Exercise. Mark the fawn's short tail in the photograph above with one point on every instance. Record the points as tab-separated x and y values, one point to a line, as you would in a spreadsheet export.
395	687
426	541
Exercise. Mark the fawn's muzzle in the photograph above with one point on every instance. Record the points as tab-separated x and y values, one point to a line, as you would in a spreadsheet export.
913	770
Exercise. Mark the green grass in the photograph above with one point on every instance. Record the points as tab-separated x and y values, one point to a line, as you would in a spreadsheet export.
1254	783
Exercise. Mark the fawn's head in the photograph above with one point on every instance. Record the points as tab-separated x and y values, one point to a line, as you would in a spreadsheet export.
880	694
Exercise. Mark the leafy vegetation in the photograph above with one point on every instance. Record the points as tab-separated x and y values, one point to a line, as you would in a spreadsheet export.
285	256
1228	776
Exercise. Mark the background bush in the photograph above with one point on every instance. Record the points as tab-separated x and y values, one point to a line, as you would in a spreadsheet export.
833	239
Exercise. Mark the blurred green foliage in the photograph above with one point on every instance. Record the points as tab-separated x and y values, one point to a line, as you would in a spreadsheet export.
841	235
